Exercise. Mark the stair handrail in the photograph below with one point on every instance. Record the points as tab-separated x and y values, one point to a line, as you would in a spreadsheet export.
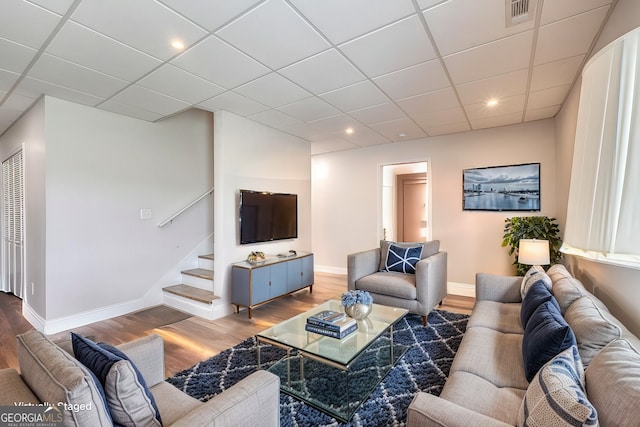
175	215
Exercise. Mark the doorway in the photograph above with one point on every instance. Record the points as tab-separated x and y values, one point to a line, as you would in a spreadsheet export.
13	225
406	207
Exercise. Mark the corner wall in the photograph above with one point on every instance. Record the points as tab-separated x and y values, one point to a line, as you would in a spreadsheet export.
251	156
347	189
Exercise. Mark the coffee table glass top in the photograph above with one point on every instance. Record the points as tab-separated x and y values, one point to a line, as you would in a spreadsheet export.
291	333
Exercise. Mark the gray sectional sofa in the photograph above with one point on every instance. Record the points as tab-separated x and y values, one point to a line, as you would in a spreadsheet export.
487	385
52	374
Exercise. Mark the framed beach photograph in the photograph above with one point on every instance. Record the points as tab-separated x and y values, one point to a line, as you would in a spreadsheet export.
502	188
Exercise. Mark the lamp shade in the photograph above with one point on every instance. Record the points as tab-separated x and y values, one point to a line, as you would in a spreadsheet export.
533	252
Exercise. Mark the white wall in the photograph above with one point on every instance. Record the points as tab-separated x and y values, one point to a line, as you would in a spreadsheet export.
347	186
28	134
618	287
99	169
250	156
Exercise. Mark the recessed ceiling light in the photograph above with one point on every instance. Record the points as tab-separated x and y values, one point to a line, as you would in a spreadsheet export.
177	44
349	131
492	102
402	135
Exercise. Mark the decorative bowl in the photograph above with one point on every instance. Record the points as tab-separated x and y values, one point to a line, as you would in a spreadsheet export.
358	311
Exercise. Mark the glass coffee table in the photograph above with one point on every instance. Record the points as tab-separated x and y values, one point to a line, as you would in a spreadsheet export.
335	375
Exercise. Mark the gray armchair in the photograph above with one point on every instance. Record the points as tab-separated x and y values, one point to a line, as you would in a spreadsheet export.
419	293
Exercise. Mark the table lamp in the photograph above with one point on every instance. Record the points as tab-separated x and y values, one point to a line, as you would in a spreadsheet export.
533	252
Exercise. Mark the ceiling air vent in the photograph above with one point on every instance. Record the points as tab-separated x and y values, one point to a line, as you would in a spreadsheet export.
519	11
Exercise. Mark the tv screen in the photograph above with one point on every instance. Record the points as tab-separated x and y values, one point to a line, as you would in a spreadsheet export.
267	216
502	188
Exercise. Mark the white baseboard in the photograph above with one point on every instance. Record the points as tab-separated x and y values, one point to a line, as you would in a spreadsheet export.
461	289
65	323
330	270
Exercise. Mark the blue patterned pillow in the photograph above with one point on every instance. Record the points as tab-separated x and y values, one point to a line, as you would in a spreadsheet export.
556	396
403	260
546	335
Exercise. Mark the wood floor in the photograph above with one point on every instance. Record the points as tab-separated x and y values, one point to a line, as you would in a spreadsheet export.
189	339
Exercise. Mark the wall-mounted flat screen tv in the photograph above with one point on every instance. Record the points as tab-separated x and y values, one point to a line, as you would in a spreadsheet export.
267	216
502	188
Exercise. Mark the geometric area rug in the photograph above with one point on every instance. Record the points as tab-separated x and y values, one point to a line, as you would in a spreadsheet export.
424	367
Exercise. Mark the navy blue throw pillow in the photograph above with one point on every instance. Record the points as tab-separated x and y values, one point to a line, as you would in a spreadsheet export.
546	335
537	294
403	260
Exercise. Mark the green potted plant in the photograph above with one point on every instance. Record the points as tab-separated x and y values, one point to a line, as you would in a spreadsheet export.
532	227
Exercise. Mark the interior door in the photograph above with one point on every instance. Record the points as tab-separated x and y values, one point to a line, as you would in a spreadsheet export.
13	225
412	207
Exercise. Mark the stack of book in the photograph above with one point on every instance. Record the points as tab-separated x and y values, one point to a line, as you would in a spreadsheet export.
331	323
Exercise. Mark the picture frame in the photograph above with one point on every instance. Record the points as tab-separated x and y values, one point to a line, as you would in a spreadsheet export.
502	188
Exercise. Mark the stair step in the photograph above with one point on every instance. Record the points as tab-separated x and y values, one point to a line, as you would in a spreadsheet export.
207	256
202	273
191	292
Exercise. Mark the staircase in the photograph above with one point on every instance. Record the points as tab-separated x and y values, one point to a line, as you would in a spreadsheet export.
195	294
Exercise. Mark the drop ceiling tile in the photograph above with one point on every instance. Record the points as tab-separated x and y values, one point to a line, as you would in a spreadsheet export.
414	80
15	57
8	116
331	145
447	129
309	109
180	84
421	105
391	48
18	102
547	97
145	99
129	110
304	131
441	117
233	102
463	24
556	73
337	123
341	21
499	57
364	137
509	105
541	113
273	90
12	25
557	10
57	6
355	97
7	80
210	14
205	58
426	4
271	24
33	88
576	34
497	87
52	69
490	122
323	72
273	118
143	24
379	113
394	129
88	48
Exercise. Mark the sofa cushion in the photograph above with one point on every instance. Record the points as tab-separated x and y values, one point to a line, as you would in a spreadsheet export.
534	275
130	401
389	283
429	248
594	328
501	317
403	259
173	403
14	389
55	376
537	294
547	334
556	396
613	384
566	290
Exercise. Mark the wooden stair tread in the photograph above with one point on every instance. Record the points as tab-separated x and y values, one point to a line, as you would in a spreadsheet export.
207	256
203	273
191	292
